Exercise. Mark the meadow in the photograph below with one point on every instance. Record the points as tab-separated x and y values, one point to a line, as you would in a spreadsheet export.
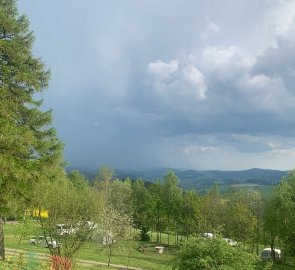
18	234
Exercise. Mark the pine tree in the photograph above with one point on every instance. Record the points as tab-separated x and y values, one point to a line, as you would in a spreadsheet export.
29	148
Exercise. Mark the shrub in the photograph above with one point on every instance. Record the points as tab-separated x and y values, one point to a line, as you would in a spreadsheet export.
61	263
212	254
143	236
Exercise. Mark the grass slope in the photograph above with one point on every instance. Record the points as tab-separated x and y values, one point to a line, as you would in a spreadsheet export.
17	236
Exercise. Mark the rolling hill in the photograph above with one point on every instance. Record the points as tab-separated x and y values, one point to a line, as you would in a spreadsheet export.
200	179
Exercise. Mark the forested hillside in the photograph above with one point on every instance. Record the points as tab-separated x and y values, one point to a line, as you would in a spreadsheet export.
201	179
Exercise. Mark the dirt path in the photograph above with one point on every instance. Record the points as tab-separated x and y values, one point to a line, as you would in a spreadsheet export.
42	256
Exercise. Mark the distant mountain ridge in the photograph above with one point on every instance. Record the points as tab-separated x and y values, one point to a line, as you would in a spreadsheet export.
204	179
199	179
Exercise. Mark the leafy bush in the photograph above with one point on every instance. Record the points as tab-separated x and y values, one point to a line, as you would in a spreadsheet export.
212	254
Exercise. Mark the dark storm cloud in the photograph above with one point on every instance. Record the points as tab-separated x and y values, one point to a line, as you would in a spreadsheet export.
187	84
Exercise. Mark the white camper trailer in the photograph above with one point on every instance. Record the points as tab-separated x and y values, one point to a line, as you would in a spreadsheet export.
266	254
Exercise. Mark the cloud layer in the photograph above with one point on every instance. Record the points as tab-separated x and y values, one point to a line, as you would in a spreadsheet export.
191	84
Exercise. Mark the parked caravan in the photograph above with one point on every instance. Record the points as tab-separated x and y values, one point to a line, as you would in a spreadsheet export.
266	254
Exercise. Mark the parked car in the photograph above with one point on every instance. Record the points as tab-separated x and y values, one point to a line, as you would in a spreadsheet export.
37	240
266	254
42	241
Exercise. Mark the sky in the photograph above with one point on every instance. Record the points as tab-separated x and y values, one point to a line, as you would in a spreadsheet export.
185	84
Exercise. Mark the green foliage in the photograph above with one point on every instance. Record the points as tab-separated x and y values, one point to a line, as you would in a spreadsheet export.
78	180
212	254
105	174
240	215
29	149
272	219
189	218
279	218
268	266
24	262
71	206
140	204
212	210
120	196
157	207
28	145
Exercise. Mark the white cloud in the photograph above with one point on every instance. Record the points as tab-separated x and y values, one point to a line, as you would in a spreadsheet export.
259	81
246	138
197	149
226	63
284	153
266	93
194	77
161	70
281	17
219	152
162	75
211	29
270	142
176	84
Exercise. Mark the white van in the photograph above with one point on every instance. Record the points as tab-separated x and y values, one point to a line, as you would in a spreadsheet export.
266	254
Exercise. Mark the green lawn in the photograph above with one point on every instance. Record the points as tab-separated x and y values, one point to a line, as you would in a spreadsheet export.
17	236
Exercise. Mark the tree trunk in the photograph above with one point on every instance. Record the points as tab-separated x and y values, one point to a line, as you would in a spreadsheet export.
2	250
273	255
157	229
168	231
129	256
110	255
176	233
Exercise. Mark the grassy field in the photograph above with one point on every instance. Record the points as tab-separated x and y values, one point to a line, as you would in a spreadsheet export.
17	236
